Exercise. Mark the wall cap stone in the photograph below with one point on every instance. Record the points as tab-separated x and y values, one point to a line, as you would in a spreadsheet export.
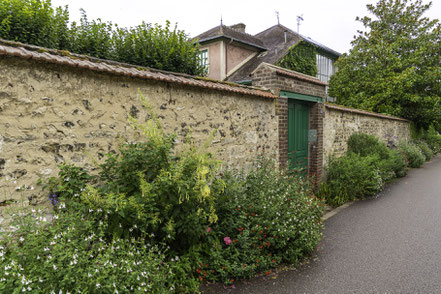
65	58
369	113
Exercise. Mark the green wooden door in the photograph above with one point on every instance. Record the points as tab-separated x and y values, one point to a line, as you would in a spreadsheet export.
298	128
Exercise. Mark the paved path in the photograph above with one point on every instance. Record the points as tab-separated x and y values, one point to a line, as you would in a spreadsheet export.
390	244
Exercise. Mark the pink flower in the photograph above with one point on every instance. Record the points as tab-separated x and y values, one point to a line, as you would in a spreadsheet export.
227	240
208	229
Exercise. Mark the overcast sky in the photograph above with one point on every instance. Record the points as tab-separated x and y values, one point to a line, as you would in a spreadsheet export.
330	22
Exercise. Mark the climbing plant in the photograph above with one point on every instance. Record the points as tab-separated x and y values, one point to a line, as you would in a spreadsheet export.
301	57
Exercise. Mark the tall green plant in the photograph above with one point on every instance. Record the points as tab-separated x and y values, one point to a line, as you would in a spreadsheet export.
394	65
36	22
156	189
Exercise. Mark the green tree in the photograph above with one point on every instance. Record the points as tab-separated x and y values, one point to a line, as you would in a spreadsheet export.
394	66
35	22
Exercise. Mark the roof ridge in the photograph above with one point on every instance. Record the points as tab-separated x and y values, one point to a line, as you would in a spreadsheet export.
244	33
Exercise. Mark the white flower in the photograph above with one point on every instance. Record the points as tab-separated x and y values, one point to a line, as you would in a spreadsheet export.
55	267
98	285
21	239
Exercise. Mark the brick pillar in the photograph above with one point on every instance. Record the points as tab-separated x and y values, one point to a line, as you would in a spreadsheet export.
282	114
316	148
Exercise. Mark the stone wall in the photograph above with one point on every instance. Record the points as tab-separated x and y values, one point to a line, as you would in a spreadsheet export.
340	123
51	113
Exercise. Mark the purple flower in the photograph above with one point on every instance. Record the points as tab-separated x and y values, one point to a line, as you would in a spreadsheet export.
54	199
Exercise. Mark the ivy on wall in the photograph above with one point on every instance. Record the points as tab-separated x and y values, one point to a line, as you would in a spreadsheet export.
301	57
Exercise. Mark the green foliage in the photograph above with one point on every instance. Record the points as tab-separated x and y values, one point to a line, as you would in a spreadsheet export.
302	57
396	163
351	177
71	254
425	149
266	217
149	187
415	157
71	181
364	145
158	47
394	65
36	22
93	38
390	163
147	197
433	139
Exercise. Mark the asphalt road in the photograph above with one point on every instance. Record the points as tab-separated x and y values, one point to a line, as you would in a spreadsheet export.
388	244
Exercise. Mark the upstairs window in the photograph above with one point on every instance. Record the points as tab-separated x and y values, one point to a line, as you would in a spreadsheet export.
325	68
203	59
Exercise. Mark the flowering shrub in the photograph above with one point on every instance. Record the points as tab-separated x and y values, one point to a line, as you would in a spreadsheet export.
71	254
425	149
415	157
350	177
266	217
158	220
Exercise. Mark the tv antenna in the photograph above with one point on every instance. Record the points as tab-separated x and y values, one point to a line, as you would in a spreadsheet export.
277	14
299	19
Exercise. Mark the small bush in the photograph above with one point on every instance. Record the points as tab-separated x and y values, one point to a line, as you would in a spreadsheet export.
396	163
351	176
364	145
415	157
265	217
425	149
391	163
72	254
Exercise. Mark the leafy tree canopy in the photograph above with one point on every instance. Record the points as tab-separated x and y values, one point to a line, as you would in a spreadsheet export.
394	66
36	22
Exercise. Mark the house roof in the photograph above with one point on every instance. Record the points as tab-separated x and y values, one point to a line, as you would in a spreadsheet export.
223	31
273	39
8	48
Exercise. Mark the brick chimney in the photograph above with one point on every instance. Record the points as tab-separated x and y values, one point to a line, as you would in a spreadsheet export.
240	27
